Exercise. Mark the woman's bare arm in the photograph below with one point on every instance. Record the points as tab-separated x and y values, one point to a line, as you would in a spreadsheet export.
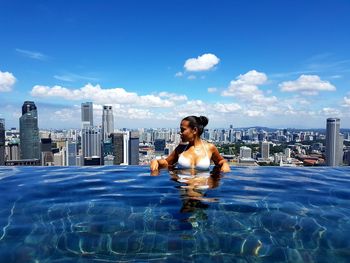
219	160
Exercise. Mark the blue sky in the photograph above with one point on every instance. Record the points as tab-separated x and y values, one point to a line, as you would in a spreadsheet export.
268	63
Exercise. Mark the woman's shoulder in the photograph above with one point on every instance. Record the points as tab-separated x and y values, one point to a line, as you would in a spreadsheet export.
210	146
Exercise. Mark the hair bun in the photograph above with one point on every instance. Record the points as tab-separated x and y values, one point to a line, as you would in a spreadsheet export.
204	120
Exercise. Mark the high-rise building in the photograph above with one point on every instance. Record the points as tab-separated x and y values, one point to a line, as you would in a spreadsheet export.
90	142
29	132
46	152
265	149
120	148
333	142
159	145
12	150
107	122
71	155
87	113
2	141
134	142
245	152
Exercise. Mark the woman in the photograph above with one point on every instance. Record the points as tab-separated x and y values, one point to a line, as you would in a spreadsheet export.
197	154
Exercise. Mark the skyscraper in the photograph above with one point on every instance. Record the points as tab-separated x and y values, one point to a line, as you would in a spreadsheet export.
265	149
107	122
87	113
90	142
333	142
29	132
118	148
2	141
134	148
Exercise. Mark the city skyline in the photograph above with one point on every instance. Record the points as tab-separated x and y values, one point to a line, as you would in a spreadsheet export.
157	62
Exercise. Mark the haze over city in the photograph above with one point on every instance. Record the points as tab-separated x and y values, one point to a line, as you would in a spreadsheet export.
241	63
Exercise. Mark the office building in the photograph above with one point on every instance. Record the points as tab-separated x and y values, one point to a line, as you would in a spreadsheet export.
265	149
333	142
29	132
47	158
134	142
12	150
90	143
245	152
120	148
2	141
159	145
87	113
71	153
107	122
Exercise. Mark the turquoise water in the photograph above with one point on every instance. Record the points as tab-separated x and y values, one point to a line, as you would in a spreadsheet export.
116	213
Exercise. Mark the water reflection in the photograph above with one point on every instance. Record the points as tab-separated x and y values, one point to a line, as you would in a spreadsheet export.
193	188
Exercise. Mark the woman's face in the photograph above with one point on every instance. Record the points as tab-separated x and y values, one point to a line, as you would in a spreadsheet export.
186	132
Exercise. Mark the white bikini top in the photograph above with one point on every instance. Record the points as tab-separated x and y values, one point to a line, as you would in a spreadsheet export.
187	163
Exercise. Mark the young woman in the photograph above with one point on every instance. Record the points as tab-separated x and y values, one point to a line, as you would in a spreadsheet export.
197	154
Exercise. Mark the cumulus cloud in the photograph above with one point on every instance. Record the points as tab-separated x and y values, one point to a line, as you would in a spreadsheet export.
173	96
327	111
245	87
102	96
192	107
346	102
191	77
201	63
227	108
254	113
307	85
7	80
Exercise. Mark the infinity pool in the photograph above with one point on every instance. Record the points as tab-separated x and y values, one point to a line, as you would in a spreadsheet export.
121	213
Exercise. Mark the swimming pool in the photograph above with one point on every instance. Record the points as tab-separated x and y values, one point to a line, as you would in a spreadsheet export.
121	213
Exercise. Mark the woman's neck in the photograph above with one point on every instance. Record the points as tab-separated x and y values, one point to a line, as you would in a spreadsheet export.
196	142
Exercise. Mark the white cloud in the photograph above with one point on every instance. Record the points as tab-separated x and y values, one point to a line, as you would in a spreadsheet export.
346	102
327	111
245	88
201	63
173	96
254	113
101	96
191	77
193	107
227	108
307	85
32	54
7	80
179	74
212	90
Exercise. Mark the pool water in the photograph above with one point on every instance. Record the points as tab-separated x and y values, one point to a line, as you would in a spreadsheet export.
121	213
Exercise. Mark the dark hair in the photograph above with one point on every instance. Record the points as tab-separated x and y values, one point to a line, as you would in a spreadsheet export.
197	122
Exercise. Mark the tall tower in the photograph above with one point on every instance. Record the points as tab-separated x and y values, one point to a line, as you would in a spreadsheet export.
87	113
29	132
2	141
265	149
333	142
133	148
107	122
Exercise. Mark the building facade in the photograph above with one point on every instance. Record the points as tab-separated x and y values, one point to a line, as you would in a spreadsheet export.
107	122
2	141
87	113
29	132
333	142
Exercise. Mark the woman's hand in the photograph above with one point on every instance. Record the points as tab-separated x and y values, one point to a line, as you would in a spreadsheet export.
154	165
225	168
